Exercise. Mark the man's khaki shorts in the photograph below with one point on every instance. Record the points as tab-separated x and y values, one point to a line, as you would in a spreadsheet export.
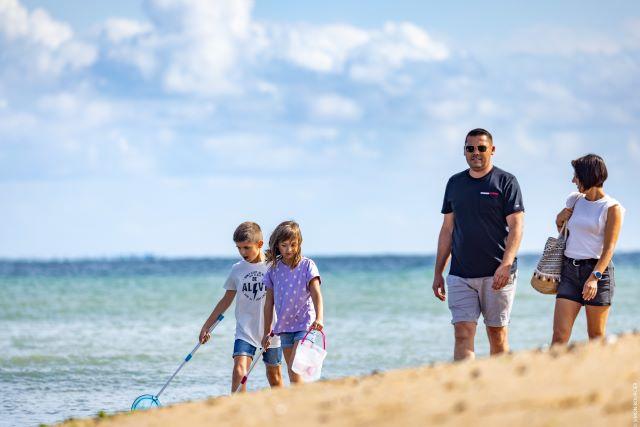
470	297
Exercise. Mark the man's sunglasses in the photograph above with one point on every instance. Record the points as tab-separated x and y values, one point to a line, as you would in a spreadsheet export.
472	148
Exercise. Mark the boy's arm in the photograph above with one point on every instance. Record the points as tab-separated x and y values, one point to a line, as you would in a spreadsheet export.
220	308
268	317
316	297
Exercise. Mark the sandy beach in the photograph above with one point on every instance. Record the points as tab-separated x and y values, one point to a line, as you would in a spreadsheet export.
585	384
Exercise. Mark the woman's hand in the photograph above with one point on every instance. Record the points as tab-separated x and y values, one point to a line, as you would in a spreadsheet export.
590	289
563	217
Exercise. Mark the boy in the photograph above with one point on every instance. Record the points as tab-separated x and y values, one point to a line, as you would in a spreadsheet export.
244	284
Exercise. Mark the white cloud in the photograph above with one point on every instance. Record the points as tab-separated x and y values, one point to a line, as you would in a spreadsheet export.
204	42
335	107
118	30
396	45
555	102
319	48
36	39
215	47
79	107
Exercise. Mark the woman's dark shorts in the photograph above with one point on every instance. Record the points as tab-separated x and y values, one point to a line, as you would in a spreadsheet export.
574	276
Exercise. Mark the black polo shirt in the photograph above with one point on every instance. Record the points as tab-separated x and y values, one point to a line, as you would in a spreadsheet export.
480	207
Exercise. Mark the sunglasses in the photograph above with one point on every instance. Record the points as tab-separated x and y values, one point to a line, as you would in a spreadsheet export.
472	148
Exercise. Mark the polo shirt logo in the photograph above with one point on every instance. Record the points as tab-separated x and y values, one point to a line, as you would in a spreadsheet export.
491	194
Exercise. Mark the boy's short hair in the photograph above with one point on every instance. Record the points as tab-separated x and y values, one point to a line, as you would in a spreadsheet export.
590	171
248	232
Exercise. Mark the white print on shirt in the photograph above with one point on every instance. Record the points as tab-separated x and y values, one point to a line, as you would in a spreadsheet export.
252	286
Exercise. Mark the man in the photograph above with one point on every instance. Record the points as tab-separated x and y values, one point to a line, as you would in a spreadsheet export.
481	233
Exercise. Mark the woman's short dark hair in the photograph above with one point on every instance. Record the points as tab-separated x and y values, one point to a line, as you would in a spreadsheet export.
590	171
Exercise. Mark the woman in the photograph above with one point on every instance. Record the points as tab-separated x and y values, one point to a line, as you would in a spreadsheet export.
594	221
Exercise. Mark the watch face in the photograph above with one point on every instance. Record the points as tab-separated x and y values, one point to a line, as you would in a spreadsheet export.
597	274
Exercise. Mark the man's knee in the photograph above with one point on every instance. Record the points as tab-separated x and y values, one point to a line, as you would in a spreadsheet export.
464	331
497	334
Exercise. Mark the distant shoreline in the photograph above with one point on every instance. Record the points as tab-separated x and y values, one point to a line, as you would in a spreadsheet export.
161	258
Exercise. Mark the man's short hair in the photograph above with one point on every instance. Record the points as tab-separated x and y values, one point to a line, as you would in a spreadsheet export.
479	132
248	232
590	171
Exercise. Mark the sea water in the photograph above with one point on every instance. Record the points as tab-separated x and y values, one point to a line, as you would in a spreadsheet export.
79	337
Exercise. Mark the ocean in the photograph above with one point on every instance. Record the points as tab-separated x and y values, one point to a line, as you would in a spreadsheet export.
84	336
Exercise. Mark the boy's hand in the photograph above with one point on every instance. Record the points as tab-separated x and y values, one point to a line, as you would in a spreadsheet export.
317	325
204	336
265	340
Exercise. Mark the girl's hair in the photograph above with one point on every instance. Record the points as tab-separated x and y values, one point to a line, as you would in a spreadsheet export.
288	230
590	171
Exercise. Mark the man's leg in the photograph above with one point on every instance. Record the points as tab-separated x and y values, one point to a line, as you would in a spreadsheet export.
465	333
464	305
564	316
498	339
496	310
597	320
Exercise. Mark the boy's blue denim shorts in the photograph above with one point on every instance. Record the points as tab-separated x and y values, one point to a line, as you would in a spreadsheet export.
271	357
288	338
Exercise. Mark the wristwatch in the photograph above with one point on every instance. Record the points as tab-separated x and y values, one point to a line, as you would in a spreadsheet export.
597	274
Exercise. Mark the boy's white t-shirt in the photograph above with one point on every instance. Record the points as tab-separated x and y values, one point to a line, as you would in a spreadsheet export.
246	279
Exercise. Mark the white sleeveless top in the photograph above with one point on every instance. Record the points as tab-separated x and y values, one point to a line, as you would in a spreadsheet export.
586	226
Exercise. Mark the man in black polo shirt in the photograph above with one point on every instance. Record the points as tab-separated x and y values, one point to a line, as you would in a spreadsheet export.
481	233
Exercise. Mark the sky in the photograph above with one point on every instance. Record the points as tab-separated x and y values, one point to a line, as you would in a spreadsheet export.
155	127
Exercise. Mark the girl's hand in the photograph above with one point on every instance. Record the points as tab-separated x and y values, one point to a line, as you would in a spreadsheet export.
317	325
204	335
590	289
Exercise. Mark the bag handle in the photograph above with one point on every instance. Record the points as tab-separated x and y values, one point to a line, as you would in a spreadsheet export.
564	231
324	337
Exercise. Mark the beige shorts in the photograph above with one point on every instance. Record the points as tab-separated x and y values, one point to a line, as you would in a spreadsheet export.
470	297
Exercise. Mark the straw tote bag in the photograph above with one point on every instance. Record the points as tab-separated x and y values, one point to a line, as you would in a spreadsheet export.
546	276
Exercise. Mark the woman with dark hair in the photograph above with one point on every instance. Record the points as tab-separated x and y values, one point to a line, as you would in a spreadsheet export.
594	222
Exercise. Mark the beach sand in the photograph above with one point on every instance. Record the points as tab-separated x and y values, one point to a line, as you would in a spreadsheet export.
587	384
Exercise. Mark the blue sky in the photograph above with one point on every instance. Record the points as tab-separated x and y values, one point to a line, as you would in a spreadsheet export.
155	127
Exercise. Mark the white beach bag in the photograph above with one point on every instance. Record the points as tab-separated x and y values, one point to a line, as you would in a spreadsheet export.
309	358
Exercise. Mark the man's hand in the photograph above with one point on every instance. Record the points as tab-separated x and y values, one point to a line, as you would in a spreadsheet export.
438	287
590	288
501	276
204	335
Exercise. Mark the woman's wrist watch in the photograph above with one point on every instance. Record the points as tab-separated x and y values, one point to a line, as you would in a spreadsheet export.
598	274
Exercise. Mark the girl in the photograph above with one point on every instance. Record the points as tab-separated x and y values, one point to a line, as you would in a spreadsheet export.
293	287
587	276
